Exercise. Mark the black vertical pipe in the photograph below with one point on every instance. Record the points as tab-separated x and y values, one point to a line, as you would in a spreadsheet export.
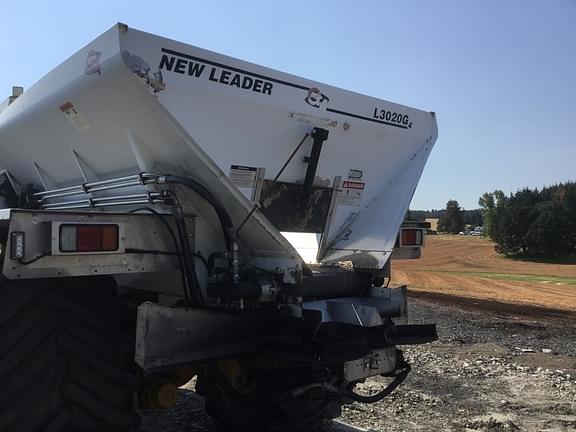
318	135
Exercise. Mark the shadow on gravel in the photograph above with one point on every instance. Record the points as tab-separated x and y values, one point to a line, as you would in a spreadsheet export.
188	416
465	303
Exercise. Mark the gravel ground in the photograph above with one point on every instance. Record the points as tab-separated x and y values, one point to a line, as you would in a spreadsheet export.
488	372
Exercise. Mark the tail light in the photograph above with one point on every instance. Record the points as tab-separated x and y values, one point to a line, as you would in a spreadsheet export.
88	238
411	237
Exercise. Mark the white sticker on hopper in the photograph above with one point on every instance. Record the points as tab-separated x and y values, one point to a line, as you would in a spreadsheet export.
74	116
243	176
351	193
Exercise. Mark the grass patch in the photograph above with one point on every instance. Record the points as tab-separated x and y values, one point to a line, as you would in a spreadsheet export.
564	260
458	237
544	279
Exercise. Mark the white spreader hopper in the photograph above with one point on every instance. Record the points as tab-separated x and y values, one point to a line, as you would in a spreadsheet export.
336	165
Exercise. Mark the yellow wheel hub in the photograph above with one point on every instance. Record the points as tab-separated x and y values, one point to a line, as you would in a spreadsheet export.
161	395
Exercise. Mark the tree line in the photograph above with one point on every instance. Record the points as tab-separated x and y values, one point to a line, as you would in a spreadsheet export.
532	222
468	217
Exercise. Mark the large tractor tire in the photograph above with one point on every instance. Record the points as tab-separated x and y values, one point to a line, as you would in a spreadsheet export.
66	357
263	402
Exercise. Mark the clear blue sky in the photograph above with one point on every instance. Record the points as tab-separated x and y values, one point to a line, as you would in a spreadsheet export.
500	74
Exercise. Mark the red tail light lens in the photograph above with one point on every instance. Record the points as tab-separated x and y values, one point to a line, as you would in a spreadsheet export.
412	237
88	238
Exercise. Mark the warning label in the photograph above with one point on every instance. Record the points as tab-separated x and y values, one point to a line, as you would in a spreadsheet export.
243	176
74	116
351	193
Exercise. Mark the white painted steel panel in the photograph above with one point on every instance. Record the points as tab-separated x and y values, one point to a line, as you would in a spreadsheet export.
131	101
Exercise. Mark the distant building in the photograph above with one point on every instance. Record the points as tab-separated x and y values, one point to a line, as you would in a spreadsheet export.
433	225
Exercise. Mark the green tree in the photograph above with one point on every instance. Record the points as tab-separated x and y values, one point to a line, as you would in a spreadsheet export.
472	217
532	222
490	204
512	220
552	232
511	224
452	221
570	200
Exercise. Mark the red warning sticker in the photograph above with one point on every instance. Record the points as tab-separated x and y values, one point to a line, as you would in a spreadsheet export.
353	185
351	193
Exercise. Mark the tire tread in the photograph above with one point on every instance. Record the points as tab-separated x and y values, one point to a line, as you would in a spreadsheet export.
66	356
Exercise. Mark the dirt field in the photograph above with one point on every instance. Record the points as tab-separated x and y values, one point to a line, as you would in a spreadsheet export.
465	267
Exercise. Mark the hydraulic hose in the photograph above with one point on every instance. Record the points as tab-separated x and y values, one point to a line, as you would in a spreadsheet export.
398	379
183	272
195	293
225	222
200	189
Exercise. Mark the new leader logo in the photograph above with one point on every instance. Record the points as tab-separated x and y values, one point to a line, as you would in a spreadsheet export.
194	67
316	98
